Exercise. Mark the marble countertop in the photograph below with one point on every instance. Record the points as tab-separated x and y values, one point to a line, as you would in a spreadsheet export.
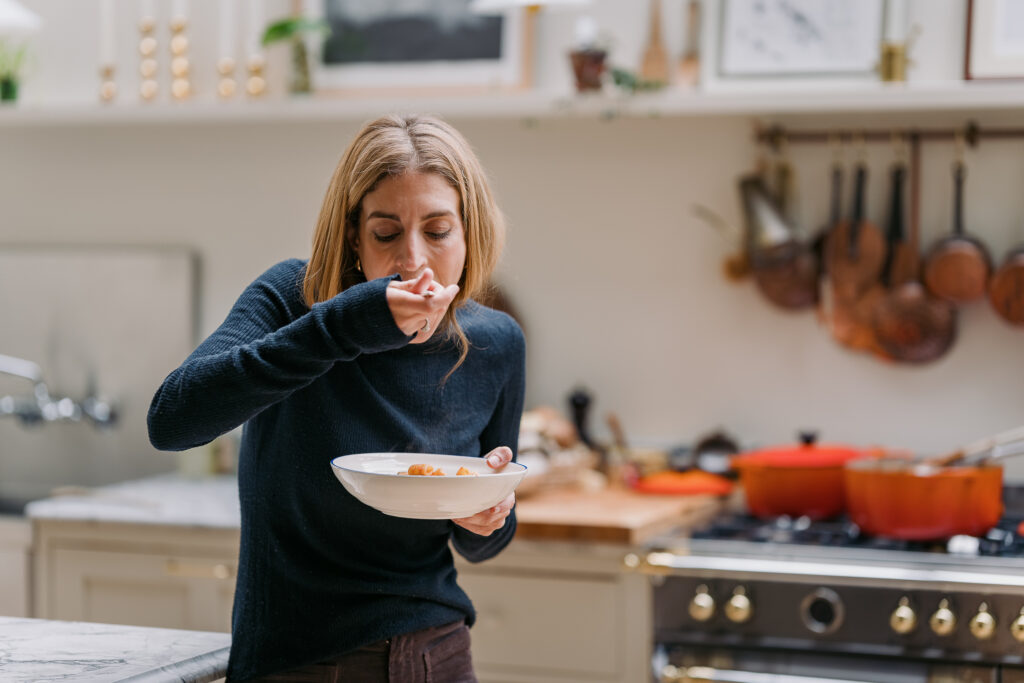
611	515
44	650
164	499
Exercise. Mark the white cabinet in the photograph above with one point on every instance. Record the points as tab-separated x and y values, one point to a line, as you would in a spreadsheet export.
142	575
548	612
15	566
551	612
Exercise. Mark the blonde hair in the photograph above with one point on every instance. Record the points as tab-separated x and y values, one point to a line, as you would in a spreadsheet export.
387	147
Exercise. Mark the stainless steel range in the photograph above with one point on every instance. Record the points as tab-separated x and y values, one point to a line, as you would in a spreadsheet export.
794	601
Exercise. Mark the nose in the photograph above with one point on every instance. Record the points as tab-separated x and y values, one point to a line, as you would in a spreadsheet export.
413	258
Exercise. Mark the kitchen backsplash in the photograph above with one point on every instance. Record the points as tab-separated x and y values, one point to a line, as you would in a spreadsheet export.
103	321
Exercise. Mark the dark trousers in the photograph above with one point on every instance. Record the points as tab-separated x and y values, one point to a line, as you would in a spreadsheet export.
434	655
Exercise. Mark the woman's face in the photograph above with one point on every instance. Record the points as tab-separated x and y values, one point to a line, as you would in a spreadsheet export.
411	222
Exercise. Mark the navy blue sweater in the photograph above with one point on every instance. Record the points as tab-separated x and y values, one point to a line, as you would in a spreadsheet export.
319	572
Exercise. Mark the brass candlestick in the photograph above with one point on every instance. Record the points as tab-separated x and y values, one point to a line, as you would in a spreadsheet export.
181	86
147	65
227	86
256	85
108	89
893	64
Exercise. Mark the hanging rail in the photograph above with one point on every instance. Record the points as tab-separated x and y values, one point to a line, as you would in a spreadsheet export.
776	136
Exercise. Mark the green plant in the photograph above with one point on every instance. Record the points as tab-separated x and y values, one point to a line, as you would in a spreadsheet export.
293	29
11	60
631	82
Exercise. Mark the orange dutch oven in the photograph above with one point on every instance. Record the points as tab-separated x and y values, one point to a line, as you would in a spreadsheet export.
899	498
930	499
804	479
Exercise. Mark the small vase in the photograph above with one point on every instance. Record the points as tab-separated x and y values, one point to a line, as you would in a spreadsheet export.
301	83
588	66
8	89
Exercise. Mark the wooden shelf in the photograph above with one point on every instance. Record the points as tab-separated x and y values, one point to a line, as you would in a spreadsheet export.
752	100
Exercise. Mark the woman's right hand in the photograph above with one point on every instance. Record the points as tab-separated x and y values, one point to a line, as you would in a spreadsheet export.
419	305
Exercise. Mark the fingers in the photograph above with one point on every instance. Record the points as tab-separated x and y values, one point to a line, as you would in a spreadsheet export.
423	282
419	305
490	520
499	457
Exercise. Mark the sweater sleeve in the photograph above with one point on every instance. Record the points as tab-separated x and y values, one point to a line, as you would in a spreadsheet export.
502	430
262	353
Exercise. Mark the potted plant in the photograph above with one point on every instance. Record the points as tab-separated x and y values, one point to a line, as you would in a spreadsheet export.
294	29
11	60
588	54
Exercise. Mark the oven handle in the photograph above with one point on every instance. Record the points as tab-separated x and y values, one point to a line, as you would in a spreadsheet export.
709	674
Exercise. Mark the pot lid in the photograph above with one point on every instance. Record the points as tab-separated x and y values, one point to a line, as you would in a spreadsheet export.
807	453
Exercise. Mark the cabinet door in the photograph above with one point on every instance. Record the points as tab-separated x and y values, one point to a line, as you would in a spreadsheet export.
142	589
565	627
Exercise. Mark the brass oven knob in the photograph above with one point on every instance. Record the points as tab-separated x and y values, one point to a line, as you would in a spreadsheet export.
1017	627
702	606
983	624
903	619
943	621
739	608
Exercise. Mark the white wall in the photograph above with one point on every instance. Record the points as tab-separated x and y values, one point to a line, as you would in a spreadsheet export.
620	287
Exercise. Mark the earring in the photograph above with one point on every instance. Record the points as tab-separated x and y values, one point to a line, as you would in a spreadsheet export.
359	265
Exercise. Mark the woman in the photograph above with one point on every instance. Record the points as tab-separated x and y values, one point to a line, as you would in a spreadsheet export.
373	345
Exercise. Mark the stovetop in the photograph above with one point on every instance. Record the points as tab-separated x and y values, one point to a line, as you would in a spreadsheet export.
738	535
1003	540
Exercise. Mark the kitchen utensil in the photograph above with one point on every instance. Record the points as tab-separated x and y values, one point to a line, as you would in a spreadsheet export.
855	250
736	266
688	73
798	480
1006	288
914	499
377	480
825	307
861	333
784	268
957	267
714	452
909	324
654	66
854	253
619	467
579	404
982	448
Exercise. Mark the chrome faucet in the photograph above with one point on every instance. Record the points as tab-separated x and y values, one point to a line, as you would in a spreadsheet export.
42	407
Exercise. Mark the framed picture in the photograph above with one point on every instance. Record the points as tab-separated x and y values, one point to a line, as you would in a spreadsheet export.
995	39
765	40
419	46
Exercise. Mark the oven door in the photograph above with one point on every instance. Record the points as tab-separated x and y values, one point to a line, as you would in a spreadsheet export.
699	664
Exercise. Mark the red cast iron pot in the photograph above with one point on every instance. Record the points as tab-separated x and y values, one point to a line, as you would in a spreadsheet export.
804	479
898	498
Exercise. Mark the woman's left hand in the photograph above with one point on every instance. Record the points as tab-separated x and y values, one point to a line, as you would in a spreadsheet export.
490	520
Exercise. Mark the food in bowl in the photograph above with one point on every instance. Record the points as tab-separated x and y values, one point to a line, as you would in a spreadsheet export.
382	481
422	469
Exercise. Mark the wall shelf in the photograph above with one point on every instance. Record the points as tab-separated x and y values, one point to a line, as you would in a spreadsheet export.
751	100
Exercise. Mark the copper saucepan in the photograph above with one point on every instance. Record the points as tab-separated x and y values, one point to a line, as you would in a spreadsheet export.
924	500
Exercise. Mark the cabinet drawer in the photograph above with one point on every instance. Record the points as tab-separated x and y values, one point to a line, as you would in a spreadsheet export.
546	623
141	589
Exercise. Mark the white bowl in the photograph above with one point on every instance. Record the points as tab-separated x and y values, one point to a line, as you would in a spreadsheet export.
380	481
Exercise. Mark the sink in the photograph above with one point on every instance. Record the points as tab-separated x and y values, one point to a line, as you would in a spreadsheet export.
10	505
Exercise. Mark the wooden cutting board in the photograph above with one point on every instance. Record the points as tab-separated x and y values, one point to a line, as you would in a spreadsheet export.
608	516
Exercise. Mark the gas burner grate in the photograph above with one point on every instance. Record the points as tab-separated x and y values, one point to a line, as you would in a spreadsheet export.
1003	540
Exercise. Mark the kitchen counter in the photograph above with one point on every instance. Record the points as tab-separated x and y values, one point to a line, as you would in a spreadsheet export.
606	516
168	499
44	650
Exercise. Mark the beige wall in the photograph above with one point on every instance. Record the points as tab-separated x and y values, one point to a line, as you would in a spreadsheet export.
619	286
